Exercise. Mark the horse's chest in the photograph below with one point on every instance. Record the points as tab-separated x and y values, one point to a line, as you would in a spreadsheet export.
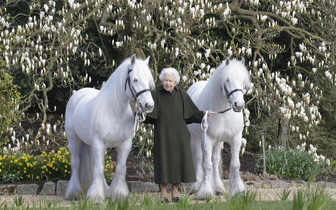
225	127
117	131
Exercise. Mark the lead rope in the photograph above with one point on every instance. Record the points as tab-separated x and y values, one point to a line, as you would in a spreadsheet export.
139	117
205	124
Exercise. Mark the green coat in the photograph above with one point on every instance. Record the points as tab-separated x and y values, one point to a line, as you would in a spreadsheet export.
172	112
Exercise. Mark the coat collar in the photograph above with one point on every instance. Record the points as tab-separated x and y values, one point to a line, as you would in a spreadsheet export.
161	88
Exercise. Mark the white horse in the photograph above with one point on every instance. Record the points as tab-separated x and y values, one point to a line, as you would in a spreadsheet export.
223	93
98	119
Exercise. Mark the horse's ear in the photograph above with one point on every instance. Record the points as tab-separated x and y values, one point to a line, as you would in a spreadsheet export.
147	60
243	61
227	61
133	59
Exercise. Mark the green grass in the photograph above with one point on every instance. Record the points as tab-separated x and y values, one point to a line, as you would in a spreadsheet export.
307	199
258	205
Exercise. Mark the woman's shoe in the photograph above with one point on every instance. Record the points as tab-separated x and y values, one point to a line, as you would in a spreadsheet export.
176	199
165	200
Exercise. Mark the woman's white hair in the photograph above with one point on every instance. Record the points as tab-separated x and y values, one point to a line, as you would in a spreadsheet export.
169	71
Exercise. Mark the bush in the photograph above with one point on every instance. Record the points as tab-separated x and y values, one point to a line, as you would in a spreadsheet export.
294	163
9	100
46	166
143	143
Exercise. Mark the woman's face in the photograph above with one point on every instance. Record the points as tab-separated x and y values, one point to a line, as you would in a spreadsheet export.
169	82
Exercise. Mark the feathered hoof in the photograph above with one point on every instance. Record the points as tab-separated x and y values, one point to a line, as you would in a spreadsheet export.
204	193
120	197
220	192
97	196
96	199
73	193
194	187
120	193
72	197
237	190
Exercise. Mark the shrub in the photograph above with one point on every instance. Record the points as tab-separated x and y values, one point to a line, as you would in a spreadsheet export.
46	166
143	141
9	100
294	163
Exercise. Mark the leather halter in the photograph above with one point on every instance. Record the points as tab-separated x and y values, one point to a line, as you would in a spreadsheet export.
228	97
135	94
230	93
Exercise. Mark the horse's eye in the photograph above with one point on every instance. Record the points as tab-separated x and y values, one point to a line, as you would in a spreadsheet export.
135	80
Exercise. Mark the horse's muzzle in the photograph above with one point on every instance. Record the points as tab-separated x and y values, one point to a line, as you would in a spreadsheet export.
238	107
148	107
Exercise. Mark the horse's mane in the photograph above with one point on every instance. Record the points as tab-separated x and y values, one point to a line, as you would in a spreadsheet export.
237	70
232	69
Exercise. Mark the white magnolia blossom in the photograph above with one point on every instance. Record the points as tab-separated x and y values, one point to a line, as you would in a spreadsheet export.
294	98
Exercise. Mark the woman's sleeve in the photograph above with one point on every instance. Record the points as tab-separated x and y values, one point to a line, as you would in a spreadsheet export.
152	116
191	113
195	118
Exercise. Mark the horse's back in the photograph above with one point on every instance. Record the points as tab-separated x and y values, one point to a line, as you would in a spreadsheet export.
195	90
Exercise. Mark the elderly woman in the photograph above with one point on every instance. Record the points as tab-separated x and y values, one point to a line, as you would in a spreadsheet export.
173	110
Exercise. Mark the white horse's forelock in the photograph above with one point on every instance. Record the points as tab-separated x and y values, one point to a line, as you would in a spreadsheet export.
143	72
237	70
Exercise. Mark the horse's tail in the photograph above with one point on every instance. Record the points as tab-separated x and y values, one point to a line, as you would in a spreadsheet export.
86	166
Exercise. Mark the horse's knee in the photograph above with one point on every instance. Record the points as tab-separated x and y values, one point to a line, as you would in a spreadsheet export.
235	166
207	167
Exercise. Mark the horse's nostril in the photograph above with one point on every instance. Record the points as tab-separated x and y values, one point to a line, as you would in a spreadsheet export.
239	105
148	106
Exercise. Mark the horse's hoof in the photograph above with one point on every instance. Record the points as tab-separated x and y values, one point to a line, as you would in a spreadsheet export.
70	198
204	195
96	200
192	192
220	192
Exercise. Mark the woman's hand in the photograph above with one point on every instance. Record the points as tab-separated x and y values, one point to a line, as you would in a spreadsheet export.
207	112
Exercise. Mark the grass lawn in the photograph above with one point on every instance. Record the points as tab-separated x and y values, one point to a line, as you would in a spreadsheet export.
316	199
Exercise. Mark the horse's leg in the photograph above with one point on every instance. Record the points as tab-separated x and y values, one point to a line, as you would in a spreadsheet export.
236	183
197	154
217	167
96	191
206	186
119	188
74	188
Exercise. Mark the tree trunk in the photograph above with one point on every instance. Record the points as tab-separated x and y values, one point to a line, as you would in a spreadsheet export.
283	132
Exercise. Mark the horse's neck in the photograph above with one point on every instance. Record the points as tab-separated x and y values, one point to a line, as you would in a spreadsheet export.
215	97
113	99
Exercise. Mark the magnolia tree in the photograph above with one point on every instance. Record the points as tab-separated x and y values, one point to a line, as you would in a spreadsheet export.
281	40
288	46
